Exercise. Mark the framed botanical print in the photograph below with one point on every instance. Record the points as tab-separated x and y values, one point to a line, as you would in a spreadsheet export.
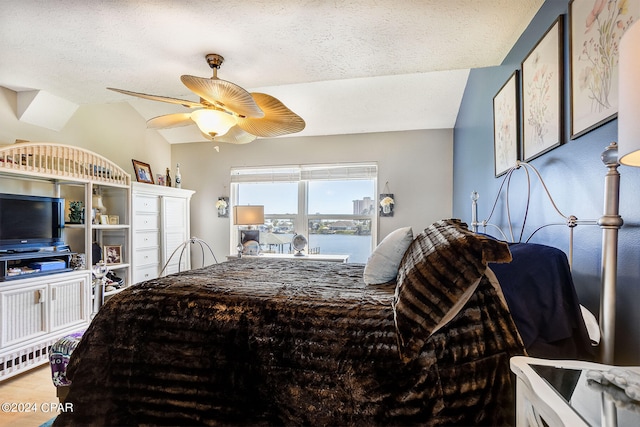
506	128
542	94
596	28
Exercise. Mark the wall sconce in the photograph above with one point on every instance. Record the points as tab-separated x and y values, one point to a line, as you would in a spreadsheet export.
222	206
387	201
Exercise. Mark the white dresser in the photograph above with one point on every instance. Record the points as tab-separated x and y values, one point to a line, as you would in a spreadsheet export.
160	222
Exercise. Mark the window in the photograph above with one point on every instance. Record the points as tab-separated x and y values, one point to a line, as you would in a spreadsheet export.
332	205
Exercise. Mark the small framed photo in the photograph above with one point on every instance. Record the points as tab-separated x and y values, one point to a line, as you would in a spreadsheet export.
160	179
104	219
143	171
114	219
112	254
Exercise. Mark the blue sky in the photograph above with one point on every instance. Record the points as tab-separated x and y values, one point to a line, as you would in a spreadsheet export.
327	197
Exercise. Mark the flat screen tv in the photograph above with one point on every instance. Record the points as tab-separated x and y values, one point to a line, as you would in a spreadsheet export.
30	223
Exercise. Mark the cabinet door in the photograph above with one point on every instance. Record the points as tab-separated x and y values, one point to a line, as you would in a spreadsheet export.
69	303
174	229
23	314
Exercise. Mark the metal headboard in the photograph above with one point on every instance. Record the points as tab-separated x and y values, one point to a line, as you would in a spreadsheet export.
570	221
610	222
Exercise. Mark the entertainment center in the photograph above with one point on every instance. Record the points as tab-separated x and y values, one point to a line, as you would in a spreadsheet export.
46	262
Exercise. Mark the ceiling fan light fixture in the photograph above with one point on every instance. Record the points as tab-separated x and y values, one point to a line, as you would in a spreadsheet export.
213	122
226	112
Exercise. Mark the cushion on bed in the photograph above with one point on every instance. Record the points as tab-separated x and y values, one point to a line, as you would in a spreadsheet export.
382	265
437	275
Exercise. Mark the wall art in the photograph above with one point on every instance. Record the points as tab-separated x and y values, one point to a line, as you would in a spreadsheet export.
542	94
505	126
596	28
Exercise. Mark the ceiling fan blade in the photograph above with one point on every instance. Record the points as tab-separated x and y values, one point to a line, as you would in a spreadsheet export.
184	102
278	119
224	94
235	136
170	121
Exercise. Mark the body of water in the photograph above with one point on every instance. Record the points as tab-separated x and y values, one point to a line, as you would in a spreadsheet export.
357	247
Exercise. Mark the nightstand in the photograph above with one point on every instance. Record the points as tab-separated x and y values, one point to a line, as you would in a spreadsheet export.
312	257
557	391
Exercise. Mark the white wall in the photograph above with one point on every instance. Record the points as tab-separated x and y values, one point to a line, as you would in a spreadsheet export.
115	131
416	164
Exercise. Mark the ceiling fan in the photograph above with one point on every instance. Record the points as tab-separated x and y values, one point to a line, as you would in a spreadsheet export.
226	112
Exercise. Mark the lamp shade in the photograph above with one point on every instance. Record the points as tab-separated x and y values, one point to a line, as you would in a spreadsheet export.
248	215
213	122
629	97
96	201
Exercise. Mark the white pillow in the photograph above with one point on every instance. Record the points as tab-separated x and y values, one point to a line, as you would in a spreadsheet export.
382	265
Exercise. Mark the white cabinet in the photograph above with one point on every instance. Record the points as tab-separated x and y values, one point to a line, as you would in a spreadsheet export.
160	221
24	313
37	307
69	302
35	312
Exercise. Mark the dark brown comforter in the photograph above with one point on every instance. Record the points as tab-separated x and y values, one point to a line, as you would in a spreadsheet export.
277	342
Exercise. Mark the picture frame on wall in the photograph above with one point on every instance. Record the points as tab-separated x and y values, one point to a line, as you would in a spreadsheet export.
596	28
506	129
542	92
143	171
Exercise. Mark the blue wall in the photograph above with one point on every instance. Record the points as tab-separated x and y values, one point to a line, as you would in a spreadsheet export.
574	175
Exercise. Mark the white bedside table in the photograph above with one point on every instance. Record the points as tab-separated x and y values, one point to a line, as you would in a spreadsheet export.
312	257
557	392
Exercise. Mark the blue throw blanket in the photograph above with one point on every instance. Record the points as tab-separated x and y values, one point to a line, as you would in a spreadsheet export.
541	296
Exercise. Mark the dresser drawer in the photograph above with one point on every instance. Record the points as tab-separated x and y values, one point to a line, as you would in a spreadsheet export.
146	222
148	256
145	273
145	204
146	239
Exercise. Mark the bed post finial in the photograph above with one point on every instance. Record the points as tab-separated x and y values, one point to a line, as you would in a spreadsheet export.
474	211
610	223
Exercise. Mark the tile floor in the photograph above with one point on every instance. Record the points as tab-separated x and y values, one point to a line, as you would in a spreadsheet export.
33	393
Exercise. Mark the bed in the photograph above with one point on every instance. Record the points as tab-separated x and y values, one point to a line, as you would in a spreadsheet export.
264	342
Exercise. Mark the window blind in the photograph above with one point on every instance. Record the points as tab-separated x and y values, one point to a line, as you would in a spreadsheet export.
342	171
274	174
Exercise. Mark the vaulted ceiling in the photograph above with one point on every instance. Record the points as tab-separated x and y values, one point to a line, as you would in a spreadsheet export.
344	66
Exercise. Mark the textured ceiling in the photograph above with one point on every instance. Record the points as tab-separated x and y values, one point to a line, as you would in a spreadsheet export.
344	66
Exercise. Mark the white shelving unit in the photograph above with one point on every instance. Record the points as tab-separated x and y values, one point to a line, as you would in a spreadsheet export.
37	310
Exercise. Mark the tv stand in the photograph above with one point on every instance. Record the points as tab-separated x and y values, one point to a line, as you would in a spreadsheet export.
19	265
39	307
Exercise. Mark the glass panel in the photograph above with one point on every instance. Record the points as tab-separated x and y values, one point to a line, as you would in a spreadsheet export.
352	197
277	197
276	235
340	237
